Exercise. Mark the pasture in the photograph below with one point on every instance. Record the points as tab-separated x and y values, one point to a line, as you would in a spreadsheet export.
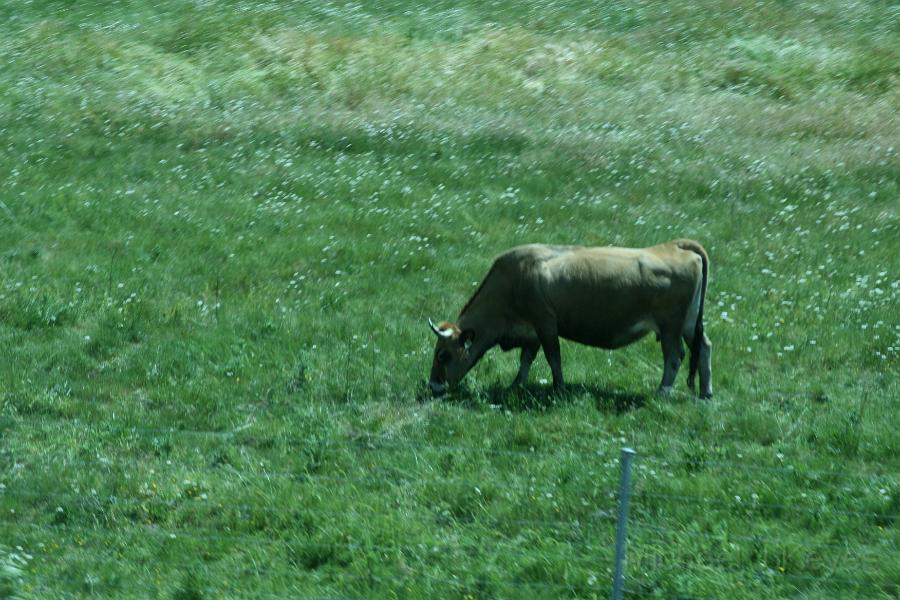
223	226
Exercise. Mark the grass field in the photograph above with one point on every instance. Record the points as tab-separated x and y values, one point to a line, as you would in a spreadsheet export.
223	226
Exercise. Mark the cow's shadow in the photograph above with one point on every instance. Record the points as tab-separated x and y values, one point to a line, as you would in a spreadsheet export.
533	397
617	401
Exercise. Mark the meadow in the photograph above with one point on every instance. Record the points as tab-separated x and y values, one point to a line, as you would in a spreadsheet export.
223	226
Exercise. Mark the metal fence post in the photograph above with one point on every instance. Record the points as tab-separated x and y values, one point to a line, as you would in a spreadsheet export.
624	496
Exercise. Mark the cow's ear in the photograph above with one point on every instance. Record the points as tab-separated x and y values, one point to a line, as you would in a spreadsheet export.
466	337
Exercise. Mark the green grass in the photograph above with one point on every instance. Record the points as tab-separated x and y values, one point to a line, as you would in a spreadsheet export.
224	225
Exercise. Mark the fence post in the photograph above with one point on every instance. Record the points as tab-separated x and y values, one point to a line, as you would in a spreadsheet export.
624	496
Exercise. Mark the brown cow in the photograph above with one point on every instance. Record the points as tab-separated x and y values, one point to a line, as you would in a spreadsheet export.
603	297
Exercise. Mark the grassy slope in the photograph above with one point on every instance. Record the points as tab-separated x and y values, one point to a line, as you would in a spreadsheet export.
237	219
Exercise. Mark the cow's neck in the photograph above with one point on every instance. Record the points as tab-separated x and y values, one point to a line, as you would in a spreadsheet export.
484	322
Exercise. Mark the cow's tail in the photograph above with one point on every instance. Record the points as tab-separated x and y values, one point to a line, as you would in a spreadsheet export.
697	341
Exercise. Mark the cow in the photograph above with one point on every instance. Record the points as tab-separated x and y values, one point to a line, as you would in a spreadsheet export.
606	297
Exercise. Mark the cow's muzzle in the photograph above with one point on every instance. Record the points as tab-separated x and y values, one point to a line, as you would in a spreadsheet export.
438	389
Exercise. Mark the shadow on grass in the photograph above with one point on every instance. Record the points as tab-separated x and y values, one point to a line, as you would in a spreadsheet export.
535	397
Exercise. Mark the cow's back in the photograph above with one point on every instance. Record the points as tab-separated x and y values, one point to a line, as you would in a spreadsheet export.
609	297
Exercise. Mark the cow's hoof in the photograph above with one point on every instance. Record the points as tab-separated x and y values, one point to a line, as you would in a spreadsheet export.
665	391
705	395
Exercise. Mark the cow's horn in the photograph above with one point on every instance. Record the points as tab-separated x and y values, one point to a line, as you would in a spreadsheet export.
445	333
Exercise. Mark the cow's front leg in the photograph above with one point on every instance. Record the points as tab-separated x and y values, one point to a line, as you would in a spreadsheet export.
673	354
550	343
529	352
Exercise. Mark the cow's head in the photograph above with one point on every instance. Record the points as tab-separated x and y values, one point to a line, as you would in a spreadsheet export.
452	356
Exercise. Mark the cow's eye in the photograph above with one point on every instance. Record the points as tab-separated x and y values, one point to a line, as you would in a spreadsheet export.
444	356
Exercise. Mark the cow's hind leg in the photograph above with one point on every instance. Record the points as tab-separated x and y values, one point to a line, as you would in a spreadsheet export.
693	363
529	352
673	354
705	360
701	355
